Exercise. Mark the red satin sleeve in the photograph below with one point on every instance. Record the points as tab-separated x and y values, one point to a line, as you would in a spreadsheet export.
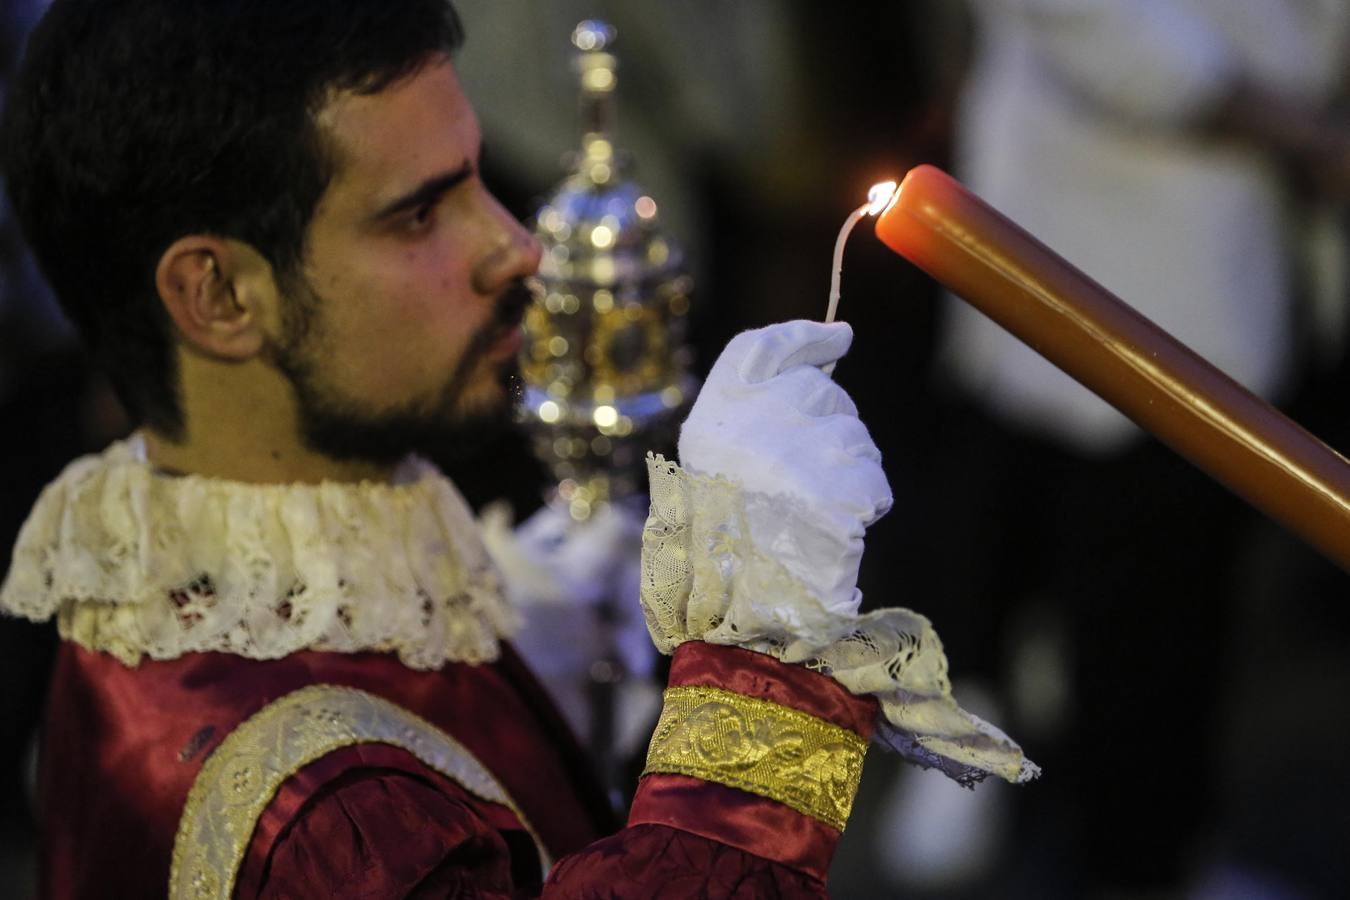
372	821
388	835
657	862
385	833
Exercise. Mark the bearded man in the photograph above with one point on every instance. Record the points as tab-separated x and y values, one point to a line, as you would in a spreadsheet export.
284	669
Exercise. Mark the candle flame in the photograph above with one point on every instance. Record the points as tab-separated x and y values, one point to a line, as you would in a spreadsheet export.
880	196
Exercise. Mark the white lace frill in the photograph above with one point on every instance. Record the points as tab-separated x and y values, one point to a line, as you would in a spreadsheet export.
704	578
138	563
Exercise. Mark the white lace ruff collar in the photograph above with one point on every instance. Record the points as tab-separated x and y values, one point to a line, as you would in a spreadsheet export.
136	563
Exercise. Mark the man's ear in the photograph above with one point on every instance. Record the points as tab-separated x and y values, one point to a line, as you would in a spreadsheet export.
219	293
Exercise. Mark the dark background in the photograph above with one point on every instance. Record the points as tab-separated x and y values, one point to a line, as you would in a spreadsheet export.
1257	808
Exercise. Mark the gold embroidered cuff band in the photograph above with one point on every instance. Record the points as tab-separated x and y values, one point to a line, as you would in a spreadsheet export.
761	747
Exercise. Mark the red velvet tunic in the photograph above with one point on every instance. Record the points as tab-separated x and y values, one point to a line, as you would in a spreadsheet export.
123	745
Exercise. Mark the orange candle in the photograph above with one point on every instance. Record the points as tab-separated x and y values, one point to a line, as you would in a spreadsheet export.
1225	430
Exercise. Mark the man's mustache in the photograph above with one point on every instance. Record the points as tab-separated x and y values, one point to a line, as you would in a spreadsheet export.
509	309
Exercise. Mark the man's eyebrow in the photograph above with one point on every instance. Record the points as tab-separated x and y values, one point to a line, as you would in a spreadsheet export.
426	192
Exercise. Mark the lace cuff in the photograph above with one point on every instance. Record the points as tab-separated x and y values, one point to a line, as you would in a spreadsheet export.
705	578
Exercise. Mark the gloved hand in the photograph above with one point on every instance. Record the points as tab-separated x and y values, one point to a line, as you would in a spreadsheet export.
770	420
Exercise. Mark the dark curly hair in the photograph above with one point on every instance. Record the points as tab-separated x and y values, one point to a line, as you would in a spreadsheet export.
134	122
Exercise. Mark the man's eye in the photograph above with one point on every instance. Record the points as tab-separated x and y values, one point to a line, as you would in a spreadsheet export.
422	218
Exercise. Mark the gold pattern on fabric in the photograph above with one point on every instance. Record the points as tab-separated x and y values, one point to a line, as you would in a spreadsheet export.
242	775
784	754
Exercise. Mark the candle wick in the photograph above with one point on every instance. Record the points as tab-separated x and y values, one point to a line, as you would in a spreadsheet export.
838	271
879	199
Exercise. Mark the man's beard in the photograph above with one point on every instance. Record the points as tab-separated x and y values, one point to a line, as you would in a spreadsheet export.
444	427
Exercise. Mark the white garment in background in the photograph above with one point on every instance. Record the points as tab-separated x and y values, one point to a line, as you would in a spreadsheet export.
1081	122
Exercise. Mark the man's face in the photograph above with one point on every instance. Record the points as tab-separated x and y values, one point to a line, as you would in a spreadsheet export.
403	328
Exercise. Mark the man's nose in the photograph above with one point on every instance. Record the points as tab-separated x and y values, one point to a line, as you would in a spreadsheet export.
514	253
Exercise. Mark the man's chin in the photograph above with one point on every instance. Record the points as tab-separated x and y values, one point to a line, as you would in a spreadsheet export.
472	431
386	441
477	419
494	396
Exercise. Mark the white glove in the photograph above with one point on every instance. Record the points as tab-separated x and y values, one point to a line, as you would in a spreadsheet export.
770	420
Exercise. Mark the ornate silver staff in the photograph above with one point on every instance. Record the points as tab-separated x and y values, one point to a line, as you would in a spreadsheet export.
605	364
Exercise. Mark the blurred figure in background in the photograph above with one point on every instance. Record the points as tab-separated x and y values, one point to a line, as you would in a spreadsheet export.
1171	149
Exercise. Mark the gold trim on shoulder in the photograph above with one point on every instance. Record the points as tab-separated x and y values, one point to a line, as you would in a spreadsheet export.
242	775
777	752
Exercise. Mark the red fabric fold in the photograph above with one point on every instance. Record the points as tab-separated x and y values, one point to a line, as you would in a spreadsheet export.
410	820
746	821
651	862
386	834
